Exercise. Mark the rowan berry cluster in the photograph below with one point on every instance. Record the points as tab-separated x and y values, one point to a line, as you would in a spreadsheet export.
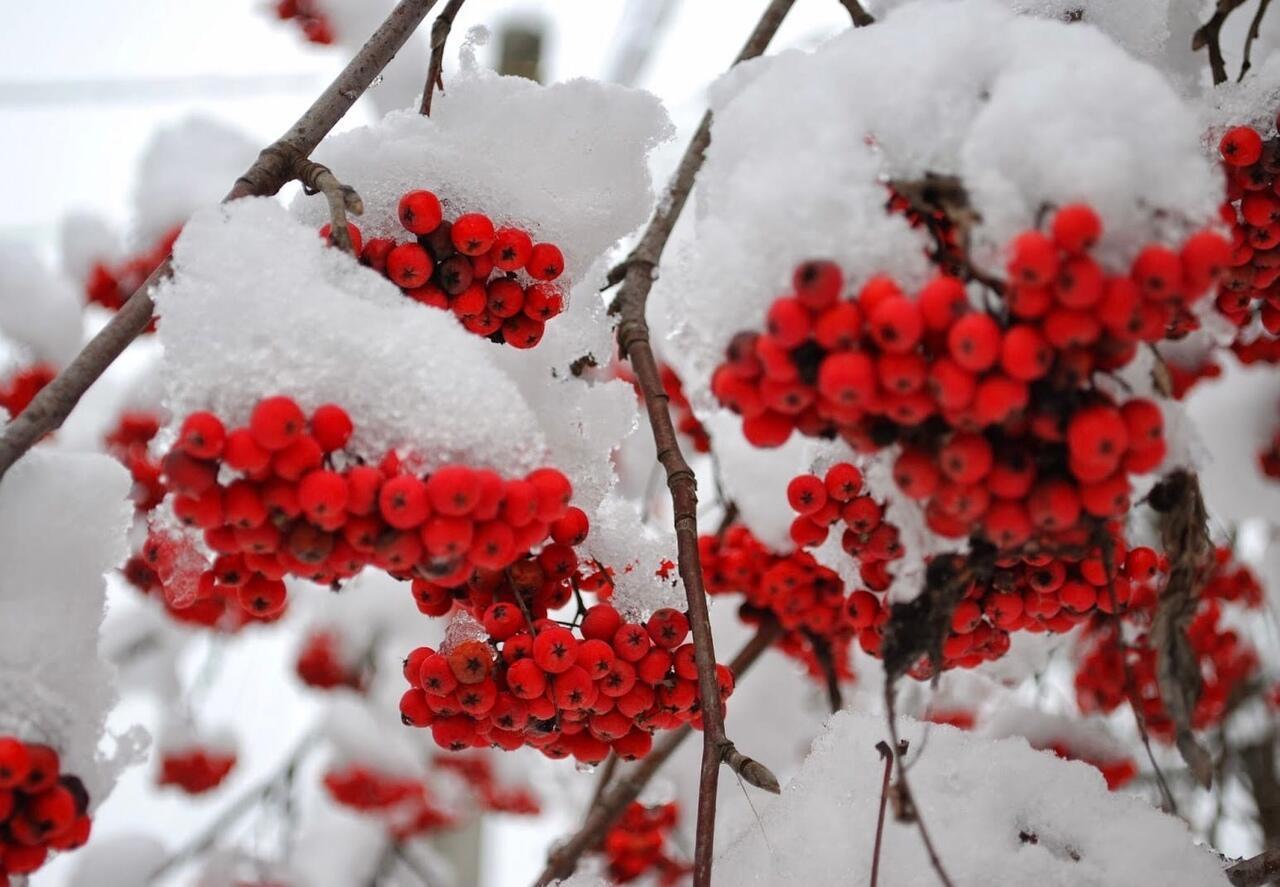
603	684
309	17
129	442
19	389
477	772
41	809
1118	772
321	663
402	803
1103	683
999	423
171	569
300	505
195	769
111	284
639	845
806	598
471	268
1249	295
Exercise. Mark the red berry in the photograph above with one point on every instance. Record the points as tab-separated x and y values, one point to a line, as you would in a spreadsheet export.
1158	272
511	249
916	474
1076	228
974	342
542	301
14	762
555	650
1054	505
403	503
420	212
817	284
1025	354
668	628
322	494
847	378
843	481
375	253
331	427
522	331
453	489
409	266
243	453
276	422
807	494
202	436
966	458
1033	259
262	597
943	301
504	297
473	234
326	234
896	324
1097	436
1240	146
571	529
546	262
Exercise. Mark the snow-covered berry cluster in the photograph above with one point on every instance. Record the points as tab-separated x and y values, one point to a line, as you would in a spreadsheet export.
1113	671
604	684
42	810
20	387
309	16
322	663
195	769
401	802
281	497
129	442
639	845
470	267
110	284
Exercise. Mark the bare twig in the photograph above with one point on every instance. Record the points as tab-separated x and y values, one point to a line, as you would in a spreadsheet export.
602	781
887	754
342	199
636	274
274	167
861	18
1254	27
904	801
1258	761
826	661
562	861
1256	870
440	29
1209	36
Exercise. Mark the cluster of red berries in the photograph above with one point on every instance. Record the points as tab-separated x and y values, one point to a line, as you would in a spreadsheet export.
477	772
129	442
402	803
310	18
1118	772
999	424
638	845
1226	660
41	809
300	505
195	769
111	284
171	569
603	684
19	389
807	599
471	268
321	663
1250	291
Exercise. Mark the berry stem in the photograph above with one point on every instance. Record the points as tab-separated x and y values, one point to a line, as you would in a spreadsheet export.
1209	36
275	166
342	199
563	860
887	754
861	18
440	29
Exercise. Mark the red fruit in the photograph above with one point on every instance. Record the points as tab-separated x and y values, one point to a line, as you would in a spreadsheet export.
1158	272
326	234
571	529
895	324
243	453
23	860
420	212
42	769
262	597
546	262
374	253
974	342
788	322
818	284
414	710
409	266
511	249
471	661
1054	505
471	301
916	474
402	502
522	331
436	676
1097	436
276	422
553	491
1025	354
504	297
769	429
1033	259
574	690
331	427
998	397
299	457
453	489
942	302
202	436
473	234
951	385
1205	256
1240	146
1080	283
555	650
1144	423
847	378
1076	228
493	546
542	301
966	458
1007	524
668	628
15	762
631	642
807	494
601	622
843	481
323	494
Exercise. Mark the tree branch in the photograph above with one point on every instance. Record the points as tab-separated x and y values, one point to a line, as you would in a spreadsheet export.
440	29
563	860
275	166
636	274
1209	36
887	754
1257	870
1254	27
861	18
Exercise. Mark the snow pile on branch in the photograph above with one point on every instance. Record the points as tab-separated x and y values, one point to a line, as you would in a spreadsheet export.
63	519
1028	113
999	813
39	311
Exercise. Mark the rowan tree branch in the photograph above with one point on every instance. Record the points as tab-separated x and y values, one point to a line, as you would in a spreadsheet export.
342	199
1209	36
1256	870
1255	27
636	275
563	859
440	29
861	18
887	754
275	166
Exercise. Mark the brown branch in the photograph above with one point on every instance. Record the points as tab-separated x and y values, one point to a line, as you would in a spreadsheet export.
1254	27
270	172
1257	870
861	18
1259	763
887	754
563	859
342	199
602	781
826	661
1209	36
440	29
637	276
905	809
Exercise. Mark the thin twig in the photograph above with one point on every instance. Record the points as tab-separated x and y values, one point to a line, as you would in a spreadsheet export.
907	809
636	274
861	18
342	199
563	859
826	661
440	29
887	754
1209	36
1254	27
602	781
1256	870
269	173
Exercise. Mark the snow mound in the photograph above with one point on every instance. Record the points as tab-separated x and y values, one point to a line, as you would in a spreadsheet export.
977	797
63	519
39	311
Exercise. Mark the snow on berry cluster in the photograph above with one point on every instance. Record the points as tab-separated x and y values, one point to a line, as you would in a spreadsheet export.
639	845
403	803
579	690
998	417
1249	295
310	18
195	768
1226	659
42	809
469	267
281	496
